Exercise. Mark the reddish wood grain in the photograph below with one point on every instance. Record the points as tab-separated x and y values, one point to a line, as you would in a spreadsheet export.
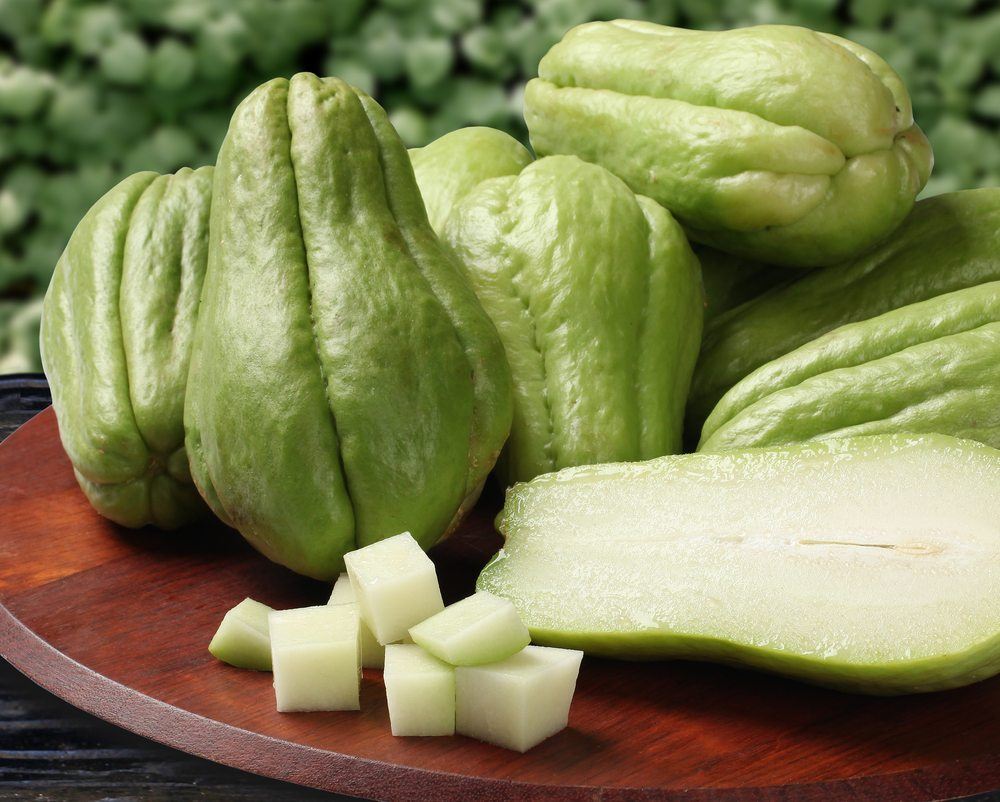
117	622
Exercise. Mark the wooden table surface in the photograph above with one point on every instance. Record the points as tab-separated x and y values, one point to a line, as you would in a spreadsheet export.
50	750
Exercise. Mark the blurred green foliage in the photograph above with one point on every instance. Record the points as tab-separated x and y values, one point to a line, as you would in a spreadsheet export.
92	91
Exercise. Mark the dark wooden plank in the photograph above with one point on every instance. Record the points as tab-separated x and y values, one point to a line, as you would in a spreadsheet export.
117	622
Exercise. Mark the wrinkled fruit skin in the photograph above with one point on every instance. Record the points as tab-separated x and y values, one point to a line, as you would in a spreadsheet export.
949	242
345	384
596	295
117	327
932	366
771	142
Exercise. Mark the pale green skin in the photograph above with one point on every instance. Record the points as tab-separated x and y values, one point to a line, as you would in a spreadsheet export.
950	242
117	329
932	366
772	142
594	290
575	589
453	165
345	384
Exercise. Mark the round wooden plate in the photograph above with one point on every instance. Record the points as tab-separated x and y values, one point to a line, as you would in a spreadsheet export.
117	623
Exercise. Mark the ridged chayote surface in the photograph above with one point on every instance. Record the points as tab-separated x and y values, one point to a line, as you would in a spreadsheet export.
947	243
116	338
772	142
346	385
594	290
932	366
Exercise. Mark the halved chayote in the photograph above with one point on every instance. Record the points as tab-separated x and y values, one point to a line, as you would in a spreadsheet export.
868	564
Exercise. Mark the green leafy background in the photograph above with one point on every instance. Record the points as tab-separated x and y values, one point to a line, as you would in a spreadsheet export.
93	91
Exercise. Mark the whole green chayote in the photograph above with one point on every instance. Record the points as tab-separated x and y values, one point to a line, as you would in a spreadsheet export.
931	366
594	290
772	142
117	327
949	242
345	384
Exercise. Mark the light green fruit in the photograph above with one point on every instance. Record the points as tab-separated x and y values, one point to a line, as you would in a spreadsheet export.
868	564
594	290
452	166
243	639
117	328
932	366
345	383
949	242
395	586
419	691
476	630
519	702
316	658
372	652
771	142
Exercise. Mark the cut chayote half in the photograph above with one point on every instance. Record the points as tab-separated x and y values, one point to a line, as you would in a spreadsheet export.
346	385
868	564
117	328
594	290
771	142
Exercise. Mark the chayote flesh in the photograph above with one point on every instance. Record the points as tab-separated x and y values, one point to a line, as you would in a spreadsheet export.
346	385
594	290
948	243
932	366
117	328
772	142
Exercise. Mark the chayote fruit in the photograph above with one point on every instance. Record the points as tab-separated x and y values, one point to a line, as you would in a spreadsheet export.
730	281
345	384
452	166
117	327
771	142
949	242
932	366
594	290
